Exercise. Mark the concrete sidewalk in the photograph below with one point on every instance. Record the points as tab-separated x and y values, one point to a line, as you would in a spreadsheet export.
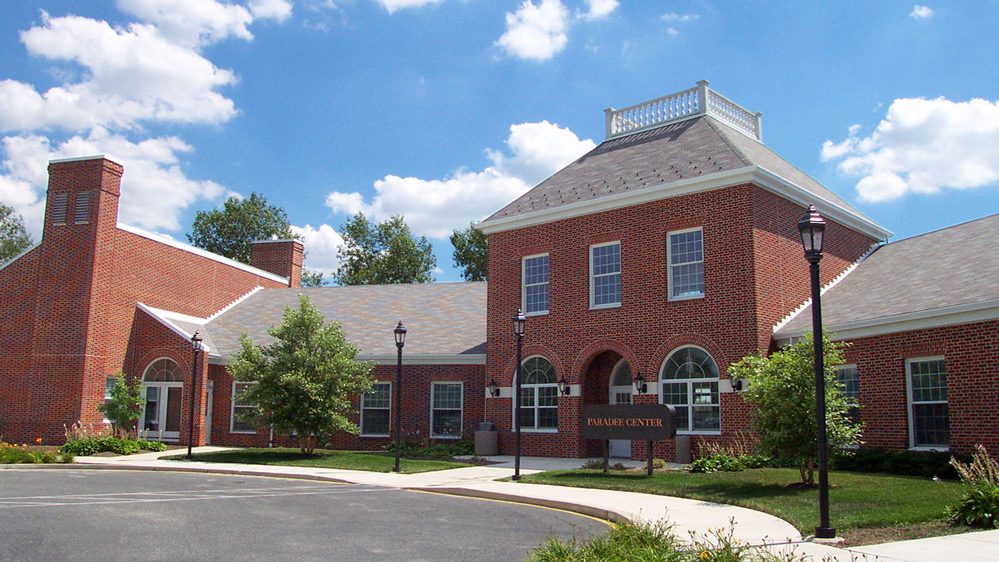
752	527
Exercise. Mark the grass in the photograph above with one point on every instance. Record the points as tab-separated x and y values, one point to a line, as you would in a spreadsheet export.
324	458
862	506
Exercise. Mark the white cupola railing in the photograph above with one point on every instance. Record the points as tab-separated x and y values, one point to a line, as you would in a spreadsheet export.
681	106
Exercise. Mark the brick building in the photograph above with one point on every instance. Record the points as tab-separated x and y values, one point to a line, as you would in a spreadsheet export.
669	251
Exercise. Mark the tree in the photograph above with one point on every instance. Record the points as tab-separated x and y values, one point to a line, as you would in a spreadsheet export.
229	231
781	387
125	404
14	238
384	253
312	278
470	252
305	379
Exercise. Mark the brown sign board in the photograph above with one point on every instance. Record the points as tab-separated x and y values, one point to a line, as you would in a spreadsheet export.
642	422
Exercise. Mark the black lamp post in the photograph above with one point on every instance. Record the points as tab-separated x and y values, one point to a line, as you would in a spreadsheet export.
812	228
400	342
197	346
518	330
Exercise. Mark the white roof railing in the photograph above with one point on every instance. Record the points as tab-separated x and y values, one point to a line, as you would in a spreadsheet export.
681	106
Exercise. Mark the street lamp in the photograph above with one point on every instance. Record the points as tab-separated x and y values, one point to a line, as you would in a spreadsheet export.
197	346
812	228
518	330
400	342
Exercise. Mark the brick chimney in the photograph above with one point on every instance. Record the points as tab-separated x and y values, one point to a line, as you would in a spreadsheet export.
74	271
280	257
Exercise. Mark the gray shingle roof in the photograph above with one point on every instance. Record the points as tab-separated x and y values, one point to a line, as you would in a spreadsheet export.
442	318
655	157
931	272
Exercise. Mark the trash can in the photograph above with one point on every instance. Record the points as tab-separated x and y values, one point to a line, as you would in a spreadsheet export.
486	440
682	449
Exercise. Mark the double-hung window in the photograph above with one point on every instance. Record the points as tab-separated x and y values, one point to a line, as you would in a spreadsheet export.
539	395
689	383
534	281
929	415
605	275
376	410
445	414
685	261
849	377
241	410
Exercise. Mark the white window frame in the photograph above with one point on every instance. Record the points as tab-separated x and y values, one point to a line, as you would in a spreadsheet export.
362	408
513	403
523	284
232	410
670	265
909	403
690	393
593	277
461	410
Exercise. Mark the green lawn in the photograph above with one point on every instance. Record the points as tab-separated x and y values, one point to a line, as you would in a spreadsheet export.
857	502
323	458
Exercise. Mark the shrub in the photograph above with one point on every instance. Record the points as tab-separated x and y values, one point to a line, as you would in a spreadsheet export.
926	464
979	507
718	462
415	448
23	454
89	439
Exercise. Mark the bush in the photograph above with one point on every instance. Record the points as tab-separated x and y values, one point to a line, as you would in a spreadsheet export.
23	454
979	507
718	462
926	464
414	448
109	443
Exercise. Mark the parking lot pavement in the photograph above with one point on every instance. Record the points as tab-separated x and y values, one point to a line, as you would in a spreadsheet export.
126	515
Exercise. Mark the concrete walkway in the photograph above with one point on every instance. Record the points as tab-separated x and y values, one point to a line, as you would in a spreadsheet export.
752	527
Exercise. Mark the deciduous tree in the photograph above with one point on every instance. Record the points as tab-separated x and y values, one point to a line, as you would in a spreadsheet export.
383	253
470	247
229	231
125	403
14	239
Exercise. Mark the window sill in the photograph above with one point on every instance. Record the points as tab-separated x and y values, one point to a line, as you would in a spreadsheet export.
448	437
686	298
526	430
604	306
374	435
699	432
243	432
538	313
929	448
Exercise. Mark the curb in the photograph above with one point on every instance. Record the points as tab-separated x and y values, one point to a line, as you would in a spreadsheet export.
190	469
582	509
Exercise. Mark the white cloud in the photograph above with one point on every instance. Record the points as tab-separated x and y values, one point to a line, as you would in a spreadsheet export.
154	189
436	207
277	10
192	22
536	32
599	9
321	245
920	12
392	6
922	146
130	75
674	17
672	31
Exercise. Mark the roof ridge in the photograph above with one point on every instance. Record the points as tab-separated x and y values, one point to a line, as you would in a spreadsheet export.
943	228
715	127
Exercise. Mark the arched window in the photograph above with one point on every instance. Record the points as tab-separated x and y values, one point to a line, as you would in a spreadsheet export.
689	382
163	370
621	383
539	395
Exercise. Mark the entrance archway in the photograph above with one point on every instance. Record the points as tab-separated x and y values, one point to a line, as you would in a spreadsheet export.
163	389
620	392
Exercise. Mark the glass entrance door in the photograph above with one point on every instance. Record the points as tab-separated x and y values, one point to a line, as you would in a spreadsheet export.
620	393
161	417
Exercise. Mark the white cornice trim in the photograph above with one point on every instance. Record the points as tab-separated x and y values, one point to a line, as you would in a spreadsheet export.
203	253
77	159
165	316
18	256
411	359
920	320
746	174
801	308
229	306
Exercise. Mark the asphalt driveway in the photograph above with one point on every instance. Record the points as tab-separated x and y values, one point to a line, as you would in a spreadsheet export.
130	515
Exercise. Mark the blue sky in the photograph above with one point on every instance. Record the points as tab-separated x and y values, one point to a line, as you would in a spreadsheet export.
445	110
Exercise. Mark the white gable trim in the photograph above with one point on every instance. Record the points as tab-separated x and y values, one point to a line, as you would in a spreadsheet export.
165	317
203	253
720	180
920	320
229	306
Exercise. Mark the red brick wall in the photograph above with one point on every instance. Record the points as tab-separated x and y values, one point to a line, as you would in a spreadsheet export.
17	293
281	257
749	234
971	352
416	384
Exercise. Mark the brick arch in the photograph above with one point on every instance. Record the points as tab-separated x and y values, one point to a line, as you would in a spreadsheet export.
181	359
537	349
662	352
586	356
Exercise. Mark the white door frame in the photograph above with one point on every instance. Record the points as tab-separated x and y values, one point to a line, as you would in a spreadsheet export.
161	411
209	398
619	447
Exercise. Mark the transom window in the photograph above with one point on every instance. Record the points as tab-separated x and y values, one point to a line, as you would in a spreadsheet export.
376	410
539	398
848	376
535	284
929	414
241	409
445	415
689	383
685	259
621	383
163	370
605	275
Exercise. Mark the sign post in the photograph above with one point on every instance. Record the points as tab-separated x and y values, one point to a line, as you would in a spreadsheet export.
640	422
